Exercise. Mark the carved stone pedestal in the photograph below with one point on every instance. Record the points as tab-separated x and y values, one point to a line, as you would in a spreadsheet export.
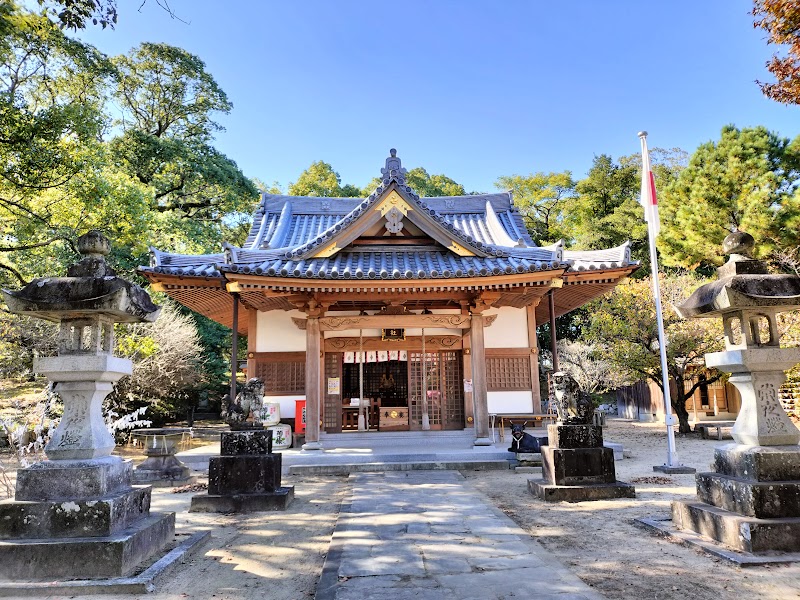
751	502
161	468
79	519
246	477
576	467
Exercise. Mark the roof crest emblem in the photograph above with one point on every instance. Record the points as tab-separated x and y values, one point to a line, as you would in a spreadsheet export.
393	171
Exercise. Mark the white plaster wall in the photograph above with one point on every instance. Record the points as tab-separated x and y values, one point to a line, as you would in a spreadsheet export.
276	332
510	329
510	402
288	407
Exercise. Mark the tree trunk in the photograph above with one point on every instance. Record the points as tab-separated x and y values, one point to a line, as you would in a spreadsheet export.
679	406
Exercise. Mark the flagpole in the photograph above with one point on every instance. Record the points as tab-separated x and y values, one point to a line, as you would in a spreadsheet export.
651	215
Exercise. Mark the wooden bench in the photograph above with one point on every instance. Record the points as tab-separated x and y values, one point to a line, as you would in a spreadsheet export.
501	419
704	428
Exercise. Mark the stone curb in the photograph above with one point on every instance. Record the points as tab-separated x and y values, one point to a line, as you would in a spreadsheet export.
143	583
663	526
373	467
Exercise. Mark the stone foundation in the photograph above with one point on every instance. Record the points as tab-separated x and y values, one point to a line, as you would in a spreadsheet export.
577	467
246	477
751	503
79	520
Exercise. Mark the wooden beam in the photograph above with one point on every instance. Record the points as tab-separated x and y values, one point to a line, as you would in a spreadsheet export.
432	342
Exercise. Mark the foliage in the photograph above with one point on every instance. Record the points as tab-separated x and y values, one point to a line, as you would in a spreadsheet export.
425	184
429	186
167	365
543	200
781	20
73	14
321	180
747	180
21	339
623	326
593	373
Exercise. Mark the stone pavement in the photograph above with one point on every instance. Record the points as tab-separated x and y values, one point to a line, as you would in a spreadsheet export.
429	535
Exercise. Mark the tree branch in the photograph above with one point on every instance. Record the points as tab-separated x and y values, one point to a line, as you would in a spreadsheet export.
15	273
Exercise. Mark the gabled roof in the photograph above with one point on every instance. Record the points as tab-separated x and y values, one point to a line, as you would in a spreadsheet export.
480	235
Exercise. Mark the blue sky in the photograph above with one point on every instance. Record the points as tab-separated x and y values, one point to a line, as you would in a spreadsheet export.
472	89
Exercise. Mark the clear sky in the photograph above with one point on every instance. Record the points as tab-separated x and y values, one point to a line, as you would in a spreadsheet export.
472	89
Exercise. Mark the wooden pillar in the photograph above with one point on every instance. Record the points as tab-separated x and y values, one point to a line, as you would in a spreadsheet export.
252	334
552	306
479	397
533	344
234	346
313	383
469	407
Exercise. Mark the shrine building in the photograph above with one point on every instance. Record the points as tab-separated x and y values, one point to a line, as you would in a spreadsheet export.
384	297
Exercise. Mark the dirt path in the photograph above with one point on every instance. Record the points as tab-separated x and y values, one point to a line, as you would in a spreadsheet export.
279	556
600	542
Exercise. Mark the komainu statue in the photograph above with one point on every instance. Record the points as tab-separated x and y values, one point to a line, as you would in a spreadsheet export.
574	406
248	402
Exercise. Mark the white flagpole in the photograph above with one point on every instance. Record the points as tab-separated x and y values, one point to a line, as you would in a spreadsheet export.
652	232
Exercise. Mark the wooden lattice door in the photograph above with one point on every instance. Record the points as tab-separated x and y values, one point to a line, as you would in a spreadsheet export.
432	366
332	408
452	390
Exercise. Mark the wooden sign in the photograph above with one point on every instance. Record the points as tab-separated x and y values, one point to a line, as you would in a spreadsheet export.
395	334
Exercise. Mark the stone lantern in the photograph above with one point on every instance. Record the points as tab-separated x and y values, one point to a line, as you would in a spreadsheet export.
748	300
751	502
81	497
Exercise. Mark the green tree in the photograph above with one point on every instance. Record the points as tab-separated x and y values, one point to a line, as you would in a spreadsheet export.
781	20
606	211
425	184
321	180
169	103
624	330
543	200
50	120
746	180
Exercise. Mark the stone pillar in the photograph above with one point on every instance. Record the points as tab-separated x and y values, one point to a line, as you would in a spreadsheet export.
313	383
479	397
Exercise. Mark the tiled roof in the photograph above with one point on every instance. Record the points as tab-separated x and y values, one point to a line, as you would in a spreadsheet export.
287	231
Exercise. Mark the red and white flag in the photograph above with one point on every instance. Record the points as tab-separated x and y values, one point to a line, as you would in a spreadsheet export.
648	195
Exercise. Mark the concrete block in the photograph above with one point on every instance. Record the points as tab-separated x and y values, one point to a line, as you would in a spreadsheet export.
580	493
758	463
574	436
578	466
746	534
86	558
243	503
253	474
73	479
762	499
69	518
247	442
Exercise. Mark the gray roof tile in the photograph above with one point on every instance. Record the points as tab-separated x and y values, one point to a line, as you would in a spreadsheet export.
287	228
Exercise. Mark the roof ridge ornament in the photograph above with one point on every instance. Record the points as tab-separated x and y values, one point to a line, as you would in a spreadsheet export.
393	171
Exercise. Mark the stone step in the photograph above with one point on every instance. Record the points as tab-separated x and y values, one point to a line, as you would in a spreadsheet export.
406	465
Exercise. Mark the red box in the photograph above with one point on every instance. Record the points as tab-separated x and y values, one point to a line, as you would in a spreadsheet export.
300	416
